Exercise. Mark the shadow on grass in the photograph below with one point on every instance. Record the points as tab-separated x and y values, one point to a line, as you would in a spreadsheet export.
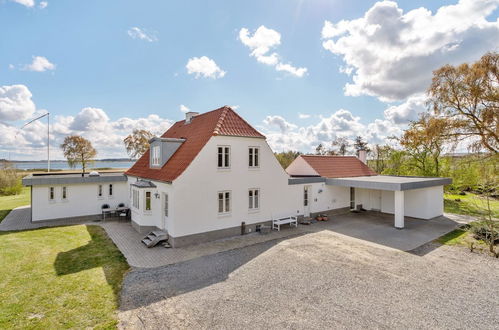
99	252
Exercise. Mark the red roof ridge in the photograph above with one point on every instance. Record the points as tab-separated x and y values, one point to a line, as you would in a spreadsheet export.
221	119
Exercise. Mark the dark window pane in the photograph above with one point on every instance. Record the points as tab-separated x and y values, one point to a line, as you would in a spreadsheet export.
256	157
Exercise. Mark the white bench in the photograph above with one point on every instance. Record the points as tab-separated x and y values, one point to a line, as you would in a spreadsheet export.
276	223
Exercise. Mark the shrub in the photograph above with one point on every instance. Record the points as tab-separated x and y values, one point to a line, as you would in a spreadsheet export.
484	233
10	183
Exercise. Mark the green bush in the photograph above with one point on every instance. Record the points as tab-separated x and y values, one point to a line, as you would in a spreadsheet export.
10	183
483	232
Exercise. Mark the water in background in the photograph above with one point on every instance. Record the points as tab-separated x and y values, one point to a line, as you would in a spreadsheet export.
63	165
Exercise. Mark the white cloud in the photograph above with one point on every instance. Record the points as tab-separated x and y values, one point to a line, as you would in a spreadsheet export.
303	116
94	124
142	34
39	64
15	103
261	43
391	54
43	4
204	67
184	109
280	122
407	111
27	3
341	123
11	67
299	72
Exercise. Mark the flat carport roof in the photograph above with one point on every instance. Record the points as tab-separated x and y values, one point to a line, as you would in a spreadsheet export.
380	182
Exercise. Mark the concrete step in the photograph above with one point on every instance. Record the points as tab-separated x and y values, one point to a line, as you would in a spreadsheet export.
155	237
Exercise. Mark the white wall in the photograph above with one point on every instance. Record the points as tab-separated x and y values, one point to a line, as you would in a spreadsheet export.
156	216
424	203
331	197
82	199
193	197
196	190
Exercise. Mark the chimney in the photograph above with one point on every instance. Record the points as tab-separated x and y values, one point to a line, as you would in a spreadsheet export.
362	156
189	115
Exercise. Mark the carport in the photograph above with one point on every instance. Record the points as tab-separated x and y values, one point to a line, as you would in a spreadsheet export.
418	197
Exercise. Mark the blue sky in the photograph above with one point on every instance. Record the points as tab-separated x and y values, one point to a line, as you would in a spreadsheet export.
99	73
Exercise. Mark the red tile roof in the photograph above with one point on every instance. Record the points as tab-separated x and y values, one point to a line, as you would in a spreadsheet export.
222	121
338	166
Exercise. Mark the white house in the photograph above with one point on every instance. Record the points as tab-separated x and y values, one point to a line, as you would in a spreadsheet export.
212	175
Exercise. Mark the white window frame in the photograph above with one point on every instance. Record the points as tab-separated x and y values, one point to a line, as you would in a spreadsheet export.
166	205
52	194
100	192
226	155
254	157
147	210
136	199
156	155
226	202
254	199
64	193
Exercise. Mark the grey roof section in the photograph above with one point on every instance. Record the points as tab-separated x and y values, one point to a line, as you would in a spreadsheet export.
166	139
168	147
143	184
46	179
305	180
387	182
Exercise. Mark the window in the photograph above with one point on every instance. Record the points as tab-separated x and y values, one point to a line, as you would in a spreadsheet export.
110	190
99	191
254	160
64	193
305	196
223	157
254	199
148	201
135	198
224	202
166	204
155	156
51	194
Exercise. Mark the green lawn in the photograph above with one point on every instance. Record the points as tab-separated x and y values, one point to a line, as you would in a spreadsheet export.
7	203
469	204
65	277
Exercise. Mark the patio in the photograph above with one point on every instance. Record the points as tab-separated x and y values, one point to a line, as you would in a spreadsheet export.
370	227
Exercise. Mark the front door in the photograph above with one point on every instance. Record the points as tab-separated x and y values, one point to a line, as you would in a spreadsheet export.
375	199
307	197
166	210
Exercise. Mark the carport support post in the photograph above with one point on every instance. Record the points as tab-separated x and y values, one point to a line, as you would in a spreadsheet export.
399	209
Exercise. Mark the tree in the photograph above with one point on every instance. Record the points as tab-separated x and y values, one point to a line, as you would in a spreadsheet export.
321	150
340	146
78	150
285	158
137	143
468	96
424	141
360	144
381	155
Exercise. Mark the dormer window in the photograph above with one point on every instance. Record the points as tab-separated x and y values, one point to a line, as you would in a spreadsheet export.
156	155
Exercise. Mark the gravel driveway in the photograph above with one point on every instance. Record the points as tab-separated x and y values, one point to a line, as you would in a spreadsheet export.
320	280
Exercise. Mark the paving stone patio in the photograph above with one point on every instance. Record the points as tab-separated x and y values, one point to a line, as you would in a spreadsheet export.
370	227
